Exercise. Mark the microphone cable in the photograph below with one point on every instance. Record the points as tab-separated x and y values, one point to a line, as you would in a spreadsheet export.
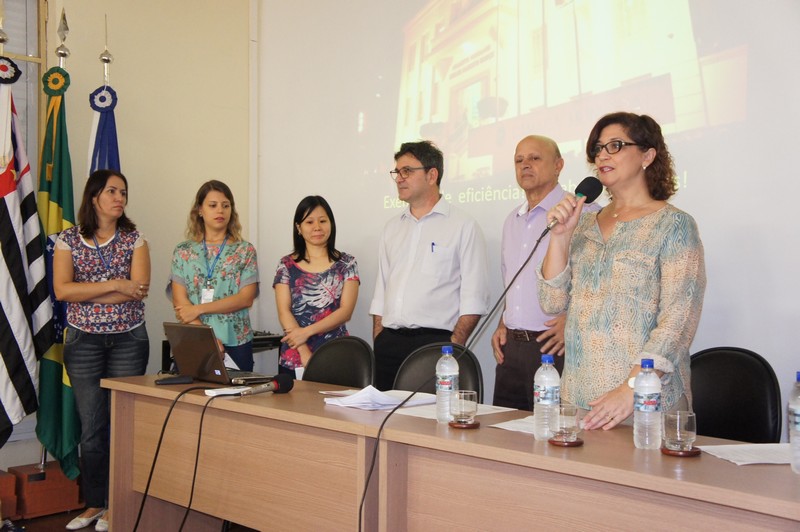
591	188
158	449
196	461
461	350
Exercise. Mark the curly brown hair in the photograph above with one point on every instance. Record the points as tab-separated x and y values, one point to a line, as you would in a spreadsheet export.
644	131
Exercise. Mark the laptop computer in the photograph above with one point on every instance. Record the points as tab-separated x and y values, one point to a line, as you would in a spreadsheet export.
196	353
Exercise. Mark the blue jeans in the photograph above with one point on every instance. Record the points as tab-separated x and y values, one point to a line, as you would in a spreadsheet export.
242	355
89	358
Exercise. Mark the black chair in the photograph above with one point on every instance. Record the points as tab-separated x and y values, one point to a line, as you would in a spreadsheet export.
420	366
736	395
346	361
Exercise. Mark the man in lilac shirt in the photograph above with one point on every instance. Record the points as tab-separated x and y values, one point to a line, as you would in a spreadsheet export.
525	331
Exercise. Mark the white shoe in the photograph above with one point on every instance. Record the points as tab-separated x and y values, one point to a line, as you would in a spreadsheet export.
102	525
83	522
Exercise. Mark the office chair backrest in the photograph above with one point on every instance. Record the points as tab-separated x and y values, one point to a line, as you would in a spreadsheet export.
420	366
736	395
346	361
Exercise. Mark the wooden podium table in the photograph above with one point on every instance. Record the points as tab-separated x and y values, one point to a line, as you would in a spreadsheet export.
282	462
266	461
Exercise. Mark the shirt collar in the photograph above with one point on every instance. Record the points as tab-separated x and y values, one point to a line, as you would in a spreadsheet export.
442	207
547	203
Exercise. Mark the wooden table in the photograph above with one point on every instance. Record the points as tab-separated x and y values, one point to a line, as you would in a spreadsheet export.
279	461
290	462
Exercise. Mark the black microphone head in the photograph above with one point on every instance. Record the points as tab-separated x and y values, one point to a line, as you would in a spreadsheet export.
283	383
591	187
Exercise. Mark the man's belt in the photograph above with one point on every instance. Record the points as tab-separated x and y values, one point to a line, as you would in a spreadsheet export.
521	335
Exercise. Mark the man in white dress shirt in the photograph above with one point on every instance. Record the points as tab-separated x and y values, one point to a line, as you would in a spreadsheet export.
432	283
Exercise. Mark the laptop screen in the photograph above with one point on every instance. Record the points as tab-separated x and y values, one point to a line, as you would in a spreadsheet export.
196	352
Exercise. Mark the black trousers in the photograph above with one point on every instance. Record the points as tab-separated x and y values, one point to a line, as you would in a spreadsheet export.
392	347
513	380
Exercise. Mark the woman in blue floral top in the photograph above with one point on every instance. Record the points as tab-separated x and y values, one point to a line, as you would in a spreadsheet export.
101	270
214	277
316	287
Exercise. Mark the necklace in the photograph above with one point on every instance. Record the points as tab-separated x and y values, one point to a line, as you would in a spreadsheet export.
629	210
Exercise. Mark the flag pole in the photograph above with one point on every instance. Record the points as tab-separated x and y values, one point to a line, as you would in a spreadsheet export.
62	52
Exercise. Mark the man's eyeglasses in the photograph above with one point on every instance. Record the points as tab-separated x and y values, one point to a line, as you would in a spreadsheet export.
611	147
405	171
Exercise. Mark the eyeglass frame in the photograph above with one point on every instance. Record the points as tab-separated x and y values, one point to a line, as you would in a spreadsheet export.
597	148
407	169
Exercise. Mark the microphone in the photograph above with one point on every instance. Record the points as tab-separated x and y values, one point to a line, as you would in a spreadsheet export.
282	383
590	188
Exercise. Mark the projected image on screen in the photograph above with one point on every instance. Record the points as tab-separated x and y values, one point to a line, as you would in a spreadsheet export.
477	76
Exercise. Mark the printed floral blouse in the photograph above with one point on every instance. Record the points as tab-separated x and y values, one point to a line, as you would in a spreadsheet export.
195	268
314	296
94	264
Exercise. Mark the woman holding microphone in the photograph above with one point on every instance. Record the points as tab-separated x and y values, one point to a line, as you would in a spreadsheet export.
631	276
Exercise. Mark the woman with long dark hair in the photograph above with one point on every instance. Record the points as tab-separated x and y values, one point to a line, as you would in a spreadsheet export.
316	286
101	269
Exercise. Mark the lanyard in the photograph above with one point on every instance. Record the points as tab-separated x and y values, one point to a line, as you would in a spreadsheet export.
106	263
210	267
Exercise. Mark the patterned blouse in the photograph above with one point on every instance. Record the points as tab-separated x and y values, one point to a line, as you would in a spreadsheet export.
638	295
94	264
314	296
236	268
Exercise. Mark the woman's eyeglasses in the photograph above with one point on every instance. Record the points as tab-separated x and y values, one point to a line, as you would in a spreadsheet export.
611	147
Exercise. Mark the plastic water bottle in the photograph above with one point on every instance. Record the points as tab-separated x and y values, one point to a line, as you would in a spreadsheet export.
546	398
647	407
446	383
794	424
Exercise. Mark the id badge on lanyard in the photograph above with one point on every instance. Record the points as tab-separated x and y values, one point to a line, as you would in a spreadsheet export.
106	263
207	293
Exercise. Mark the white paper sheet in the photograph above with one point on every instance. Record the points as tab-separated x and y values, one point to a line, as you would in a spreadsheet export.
751	453
229	363
372	399
517	425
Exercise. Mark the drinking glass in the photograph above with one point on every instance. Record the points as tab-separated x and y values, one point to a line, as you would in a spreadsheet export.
565	424
680	430
464	406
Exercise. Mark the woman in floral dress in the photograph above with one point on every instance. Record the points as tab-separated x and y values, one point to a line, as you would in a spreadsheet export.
316	286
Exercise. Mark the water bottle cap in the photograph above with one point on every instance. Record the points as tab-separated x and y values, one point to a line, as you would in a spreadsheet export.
647	363
547	359
447	349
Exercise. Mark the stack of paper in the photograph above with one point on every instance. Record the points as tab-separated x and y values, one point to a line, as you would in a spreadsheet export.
371	399
752	453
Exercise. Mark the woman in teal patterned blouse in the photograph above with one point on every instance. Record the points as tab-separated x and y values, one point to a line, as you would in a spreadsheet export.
214	277
631	276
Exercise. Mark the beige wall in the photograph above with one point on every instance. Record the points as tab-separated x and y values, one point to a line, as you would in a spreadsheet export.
181	72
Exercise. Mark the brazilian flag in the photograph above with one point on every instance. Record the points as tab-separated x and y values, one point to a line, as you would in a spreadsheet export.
58	425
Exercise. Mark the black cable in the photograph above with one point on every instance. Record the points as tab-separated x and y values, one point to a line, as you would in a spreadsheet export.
473	337
158	449
196	461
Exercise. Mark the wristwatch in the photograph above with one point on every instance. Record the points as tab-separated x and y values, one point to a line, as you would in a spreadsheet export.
631	382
